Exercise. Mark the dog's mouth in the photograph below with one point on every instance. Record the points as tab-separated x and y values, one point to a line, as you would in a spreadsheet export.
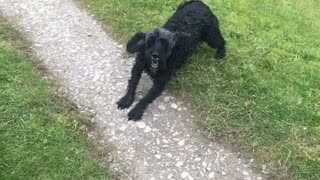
154	64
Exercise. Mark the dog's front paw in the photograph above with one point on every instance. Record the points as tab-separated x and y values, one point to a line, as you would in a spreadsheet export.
135	114
125	102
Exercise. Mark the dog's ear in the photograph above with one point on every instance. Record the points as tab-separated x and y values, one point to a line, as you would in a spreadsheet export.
136	43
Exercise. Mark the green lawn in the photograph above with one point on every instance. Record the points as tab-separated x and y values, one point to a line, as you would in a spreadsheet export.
265	97
38	134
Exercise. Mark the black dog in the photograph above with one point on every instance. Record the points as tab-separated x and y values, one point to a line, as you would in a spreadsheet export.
163	50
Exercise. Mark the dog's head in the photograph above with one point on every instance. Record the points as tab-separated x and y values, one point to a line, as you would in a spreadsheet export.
157	46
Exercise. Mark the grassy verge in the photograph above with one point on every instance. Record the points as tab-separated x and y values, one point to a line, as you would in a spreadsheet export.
265	96
38	136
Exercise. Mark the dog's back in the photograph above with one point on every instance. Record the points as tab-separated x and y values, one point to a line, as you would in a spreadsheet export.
191	17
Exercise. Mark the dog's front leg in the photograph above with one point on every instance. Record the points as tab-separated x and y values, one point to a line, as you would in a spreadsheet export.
127	100
156	90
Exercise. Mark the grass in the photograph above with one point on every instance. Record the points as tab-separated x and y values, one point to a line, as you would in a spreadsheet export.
39	138
265	97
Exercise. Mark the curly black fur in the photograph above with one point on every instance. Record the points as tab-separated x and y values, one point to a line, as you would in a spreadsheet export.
160	52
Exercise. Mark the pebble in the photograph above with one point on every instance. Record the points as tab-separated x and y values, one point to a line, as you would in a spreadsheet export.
174	106
211	175
245	173
96	78
179	164
141	124
204	164
158	156
181	143
251	160
169	155
145	163
166	98
169	176
175	134
147	129
123	127
184	175
162	107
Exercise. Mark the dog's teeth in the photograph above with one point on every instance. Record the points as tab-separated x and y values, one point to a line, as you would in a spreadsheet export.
154	65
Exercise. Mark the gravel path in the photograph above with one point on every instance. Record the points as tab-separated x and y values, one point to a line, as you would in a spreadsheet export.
79	54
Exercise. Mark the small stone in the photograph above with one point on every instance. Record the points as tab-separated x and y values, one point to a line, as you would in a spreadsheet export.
223	173
158	156
204	164
181	143
141	124
184	175
147	129
197	159
162	107
166	99
110	158
123	127
245	173
179	164
190	178
211	175
175	134
169	176
169	155
264	169
174	106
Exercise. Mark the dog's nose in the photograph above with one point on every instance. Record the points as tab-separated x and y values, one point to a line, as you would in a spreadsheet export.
155	56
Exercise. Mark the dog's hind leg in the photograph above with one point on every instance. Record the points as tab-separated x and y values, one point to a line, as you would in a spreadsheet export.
127	100
216	41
